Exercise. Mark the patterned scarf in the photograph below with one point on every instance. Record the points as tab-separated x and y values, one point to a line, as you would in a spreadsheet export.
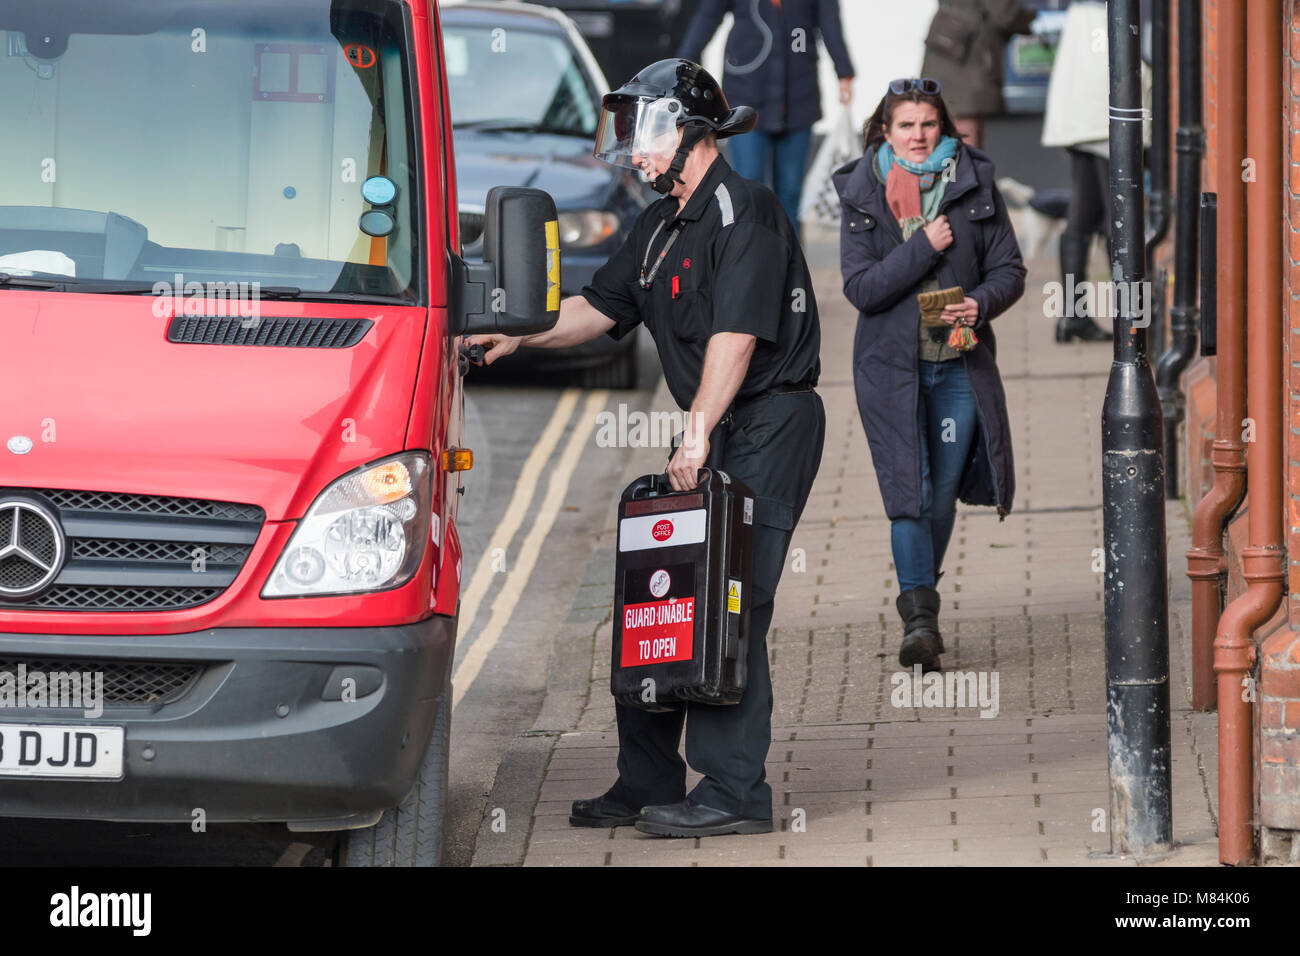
909	186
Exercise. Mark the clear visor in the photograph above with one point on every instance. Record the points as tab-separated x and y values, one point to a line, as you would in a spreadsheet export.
636	132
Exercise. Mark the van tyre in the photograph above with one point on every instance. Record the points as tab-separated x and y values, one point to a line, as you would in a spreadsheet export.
411	834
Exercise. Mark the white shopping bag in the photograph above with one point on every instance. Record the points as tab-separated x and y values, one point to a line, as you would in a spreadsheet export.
820	202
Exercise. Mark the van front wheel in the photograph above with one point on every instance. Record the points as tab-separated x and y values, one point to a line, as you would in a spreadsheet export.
411	834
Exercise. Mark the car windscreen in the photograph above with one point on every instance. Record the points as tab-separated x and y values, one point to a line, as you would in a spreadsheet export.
514	79
211	141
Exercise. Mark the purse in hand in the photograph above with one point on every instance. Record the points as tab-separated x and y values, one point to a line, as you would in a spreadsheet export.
932	304
960	337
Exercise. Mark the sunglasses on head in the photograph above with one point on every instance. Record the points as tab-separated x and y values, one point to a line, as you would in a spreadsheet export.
924	84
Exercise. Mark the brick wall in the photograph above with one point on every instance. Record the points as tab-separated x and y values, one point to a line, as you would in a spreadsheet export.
1279	731
1278	713
1279	659
1291	99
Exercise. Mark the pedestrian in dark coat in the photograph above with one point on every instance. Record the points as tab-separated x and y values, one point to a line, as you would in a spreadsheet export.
771	65
935	415
964	51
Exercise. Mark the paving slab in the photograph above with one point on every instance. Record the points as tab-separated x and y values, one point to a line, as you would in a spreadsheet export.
860	779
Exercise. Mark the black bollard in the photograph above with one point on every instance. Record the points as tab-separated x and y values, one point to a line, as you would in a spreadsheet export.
1137	623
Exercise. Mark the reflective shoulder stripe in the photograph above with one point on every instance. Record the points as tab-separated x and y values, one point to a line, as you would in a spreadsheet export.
724	203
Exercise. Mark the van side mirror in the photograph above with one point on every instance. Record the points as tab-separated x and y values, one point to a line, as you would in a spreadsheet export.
516	289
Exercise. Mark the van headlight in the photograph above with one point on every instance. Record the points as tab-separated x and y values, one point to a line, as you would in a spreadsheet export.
365	532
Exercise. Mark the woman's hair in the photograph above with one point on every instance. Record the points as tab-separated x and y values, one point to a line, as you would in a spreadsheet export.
873	131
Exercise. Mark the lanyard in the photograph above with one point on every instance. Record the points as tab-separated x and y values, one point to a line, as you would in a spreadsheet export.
676	231
645	279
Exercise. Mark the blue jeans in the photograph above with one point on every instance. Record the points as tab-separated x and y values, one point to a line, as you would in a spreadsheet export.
946	420
776	160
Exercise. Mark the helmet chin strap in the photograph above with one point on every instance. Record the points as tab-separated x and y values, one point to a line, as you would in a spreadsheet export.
665	181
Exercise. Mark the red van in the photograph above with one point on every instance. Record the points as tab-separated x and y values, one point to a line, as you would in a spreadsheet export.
231	297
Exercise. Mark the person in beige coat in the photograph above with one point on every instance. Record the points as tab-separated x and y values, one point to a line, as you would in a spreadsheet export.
964	51
1078	118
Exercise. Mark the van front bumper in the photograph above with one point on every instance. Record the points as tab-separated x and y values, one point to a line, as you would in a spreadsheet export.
309	726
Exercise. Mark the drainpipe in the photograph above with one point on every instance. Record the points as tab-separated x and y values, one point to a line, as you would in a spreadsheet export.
1263	562
1183	317
1205	559
1158	161
1133	506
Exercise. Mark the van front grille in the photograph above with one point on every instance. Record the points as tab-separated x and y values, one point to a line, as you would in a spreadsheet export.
125	681
75	598
103	502
109	549
142	552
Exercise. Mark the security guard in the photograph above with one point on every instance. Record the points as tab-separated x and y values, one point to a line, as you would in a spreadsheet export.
716	273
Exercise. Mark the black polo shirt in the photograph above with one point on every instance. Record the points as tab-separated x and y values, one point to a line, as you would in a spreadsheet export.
734	266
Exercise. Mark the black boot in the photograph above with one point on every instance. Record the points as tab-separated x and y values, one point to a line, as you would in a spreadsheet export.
922	642
1074	262
1082	328
602	812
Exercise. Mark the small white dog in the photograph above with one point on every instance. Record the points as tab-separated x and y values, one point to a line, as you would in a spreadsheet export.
1036	232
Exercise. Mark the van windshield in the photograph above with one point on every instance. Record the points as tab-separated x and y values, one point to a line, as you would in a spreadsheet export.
220	141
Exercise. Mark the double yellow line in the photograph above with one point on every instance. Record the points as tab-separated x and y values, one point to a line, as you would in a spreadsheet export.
520	571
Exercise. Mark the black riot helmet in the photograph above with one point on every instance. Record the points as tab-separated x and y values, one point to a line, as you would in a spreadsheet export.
641	118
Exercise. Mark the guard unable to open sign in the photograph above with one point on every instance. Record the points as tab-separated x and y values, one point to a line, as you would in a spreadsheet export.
658	631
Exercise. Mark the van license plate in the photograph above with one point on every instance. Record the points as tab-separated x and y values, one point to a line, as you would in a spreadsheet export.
67	752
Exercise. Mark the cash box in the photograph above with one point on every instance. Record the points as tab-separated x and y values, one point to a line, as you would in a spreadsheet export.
681	592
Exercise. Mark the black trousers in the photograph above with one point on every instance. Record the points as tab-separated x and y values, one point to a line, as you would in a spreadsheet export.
775	447
1089	213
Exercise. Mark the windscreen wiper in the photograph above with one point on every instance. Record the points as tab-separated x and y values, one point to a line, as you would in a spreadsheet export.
374	297
99	287
111	287
28	282
263	292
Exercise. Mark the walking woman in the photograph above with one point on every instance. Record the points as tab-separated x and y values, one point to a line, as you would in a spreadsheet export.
771	65
929	259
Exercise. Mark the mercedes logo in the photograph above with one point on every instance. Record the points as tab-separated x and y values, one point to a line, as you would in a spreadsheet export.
31	547
19	444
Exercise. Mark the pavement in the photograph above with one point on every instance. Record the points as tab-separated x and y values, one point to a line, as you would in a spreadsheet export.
861	774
